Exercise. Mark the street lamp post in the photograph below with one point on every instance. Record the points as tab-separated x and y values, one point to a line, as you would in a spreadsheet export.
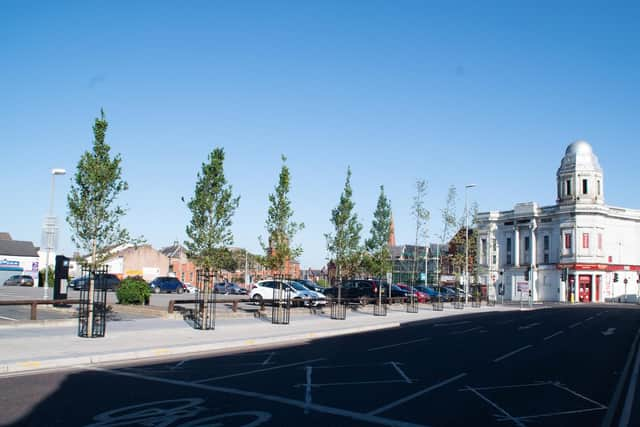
50	229
466	244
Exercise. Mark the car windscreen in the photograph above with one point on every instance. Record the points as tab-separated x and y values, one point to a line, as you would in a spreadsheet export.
297	286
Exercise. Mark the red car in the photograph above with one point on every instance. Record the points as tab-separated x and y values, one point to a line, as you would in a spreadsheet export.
421	296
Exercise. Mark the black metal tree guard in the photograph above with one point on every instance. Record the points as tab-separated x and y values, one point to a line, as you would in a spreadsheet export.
436	302
380	308
412	301
204	312
338	306
281	302
92	310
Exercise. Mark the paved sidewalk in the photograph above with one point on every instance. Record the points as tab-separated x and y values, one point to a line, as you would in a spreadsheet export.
30	348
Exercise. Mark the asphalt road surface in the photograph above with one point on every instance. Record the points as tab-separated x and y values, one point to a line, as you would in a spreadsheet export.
562	366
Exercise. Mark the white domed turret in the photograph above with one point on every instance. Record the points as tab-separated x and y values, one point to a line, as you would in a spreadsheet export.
580	175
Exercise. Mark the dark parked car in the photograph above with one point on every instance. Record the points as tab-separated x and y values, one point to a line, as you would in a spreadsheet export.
19	280
102	281
311	285
229	288
166	284
358	289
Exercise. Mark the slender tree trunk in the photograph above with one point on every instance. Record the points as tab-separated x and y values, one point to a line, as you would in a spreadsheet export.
92	277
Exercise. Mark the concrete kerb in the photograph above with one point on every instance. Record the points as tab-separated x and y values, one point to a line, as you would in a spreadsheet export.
338	327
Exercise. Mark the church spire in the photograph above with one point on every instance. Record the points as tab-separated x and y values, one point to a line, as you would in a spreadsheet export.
392	233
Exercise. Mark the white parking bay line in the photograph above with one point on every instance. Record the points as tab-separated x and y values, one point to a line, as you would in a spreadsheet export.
417	394
8	318
575	324
255	371
400	371
512	353
399	344
553	335
323	409
307	397
505	413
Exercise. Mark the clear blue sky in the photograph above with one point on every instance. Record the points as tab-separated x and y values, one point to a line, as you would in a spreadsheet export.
451	92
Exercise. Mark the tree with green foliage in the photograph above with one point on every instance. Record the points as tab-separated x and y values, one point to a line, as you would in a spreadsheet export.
281	230
458	243
449	222
343	244
421	215
377	246
94	216
212	207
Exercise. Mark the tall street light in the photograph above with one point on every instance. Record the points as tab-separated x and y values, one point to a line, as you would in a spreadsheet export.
466	244
50	229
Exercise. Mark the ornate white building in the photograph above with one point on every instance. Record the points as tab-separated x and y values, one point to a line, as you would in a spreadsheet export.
576	250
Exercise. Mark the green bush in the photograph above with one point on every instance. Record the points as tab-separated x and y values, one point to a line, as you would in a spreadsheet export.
133	290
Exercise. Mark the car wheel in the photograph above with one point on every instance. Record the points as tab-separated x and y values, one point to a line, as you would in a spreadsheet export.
156	290
257	298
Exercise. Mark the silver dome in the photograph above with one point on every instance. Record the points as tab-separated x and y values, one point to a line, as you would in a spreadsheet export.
579	156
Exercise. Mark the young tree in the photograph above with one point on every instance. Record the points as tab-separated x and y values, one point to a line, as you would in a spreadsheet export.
344	244
280	228
212	208
421	215
94	216
377	245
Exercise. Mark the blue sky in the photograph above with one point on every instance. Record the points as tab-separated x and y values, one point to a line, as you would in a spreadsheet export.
450	92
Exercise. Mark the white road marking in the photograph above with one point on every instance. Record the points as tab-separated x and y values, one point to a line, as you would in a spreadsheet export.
613	403
307	396
555	414
628	402
505	413
240	374
589	318
464	322
609	331
500	387
8	318
178	365
266	361
277	399
400	371
575	393
575	324
466	330
512	353
553	335
316	385
399	344
418	394
529	326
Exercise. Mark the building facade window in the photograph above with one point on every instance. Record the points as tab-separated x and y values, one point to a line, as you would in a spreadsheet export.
567	241
526	243
509	250
568	187
545	247
483	248
599	189
600	241
585	240
585	188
